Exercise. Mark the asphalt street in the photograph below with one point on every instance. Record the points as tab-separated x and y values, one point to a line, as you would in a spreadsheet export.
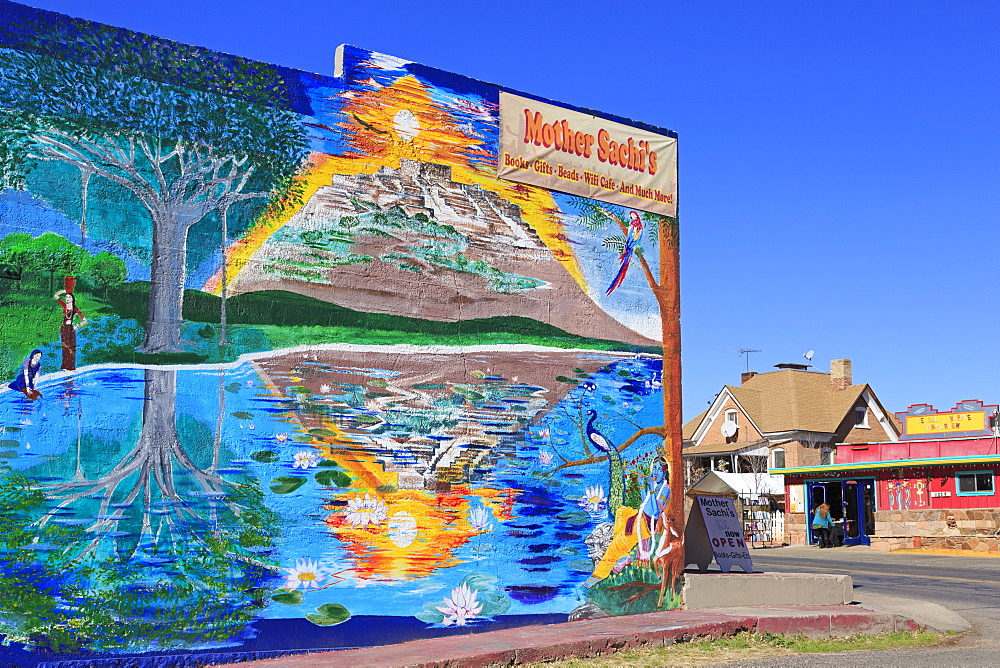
967	585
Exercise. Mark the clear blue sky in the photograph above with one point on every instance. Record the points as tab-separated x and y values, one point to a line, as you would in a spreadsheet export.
840	161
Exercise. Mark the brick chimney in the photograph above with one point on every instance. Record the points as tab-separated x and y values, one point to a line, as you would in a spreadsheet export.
747	375
840	374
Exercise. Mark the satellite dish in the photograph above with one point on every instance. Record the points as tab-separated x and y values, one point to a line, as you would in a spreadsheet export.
809	355
729	429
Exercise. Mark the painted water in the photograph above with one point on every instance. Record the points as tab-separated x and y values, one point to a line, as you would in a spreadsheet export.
452	488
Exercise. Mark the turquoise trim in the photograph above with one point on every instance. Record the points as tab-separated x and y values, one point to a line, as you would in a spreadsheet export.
895	463
959	493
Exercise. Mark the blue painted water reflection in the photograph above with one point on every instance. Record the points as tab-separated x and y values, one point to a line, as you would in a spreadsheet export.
196	500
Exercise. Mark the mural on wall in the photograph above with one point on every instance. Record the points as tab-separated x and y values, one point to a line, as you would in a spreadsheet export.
905	493
282	350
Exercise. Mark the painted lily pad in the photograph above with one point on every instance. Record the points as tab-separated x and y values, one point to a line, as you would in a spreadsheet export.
8	454
322	432
287	484
243	415
329	615
575	517
266	456
233	387
288	596
9	444
333	479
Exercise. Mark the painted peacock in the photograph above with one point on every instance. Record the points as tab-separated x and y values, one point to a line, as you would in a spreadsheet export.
616	485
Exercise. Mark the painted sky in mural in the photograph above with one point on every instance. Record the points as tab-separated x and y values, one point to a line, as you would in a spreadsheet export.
282	348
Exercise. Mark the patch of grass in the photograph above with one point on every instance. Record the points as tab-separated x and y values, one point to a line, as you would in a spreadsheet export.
30	318
290	319
747	646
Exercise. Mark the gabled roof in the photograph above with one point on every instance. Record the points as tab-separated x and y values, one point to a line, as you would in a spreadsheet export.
689	427
790	400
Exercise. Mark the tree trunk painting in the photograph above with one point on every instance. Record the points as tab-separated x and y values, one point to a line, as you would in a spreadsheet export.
154	509
667	559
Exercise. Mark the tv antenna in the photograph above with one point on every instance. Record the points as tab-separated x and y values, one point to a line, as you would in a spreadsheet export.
745	352
809	355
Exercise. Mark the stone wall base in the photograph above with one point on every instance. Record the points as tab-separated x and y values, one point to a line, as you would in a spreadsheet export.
946	529
987	544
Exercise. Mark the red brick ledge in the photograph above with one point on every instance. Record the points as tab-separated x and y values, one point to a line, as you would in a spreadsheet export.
595	637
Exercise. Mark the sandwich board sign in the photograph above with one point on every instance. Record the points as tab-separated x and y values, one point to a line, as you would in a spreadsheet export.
722	531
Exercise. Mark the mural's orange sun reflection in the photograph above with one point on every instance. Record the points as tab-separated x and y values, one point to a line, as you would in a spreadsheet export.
410	534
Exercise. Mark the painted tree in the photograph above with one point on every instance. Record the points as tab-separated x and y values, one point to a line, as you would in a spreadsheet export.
181	132
660	232
163	550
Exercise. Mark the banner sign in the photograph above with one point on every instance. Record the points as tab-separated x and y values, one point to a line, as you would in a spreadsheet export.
560	149
725	533
968	418
948	423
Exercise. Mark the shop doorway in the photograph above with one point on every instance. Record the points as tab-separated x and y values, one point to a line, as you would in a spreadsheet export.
852	507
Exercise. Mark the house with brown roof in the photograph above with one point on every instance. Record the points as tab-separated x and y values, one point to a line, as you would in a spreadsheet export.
787	418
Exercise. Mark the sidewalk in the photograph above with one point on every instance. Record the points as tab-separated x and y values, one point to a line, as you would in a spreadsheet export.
595	637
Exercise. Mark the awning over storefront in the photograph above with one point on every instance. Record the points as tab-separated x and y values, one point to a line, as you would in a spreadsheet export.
741	484
893	464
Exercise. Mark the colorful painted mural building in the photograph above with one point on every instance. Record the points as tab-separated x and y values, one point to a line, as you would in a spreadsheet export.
936	487
299	362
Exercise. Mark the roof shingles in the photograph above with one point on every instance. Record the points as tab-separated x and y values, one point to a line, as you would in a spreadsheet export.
791	400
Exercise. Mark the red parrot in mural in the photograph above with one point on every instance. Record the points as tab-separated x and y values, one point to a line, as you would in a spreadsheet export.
634	234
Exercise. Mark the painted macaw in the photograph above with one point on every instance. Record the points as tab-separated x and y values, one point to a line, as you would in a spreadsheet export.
631	241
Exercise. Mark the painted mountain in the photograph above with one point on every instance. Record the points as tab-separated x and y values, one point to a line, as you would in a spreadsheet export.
413	241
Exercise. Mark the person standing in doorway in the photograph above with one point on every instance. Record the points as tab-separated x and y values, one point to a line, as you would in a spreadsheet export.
822	525
67	330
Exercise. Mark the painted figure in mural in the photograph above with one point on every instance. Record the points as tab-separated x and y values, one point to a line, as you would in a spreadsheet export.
67	330
616	484
653	502
25	381
634	234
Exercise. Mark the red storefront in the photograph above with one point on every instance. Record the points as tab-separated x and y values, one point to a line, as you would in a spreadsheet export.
935	488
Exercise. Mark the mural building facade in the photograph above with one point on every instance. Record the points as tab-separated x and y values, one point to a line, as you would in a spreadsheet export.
289	366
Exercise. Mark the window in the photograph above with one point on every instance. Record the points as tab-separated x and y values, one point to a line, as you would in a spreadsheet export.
731	416
778	458
826	457
974	483
861	418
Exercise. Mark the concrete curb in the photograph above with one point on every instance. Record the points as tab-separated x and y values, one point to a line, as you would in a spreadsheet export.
708	590
929	615
595	637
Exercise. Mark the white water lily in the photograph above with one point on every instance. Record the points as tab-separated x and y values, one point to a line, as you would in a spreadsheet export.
325	389
306	459
281	437
362	511
593	499
545	457
306	573
461	607
480	518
